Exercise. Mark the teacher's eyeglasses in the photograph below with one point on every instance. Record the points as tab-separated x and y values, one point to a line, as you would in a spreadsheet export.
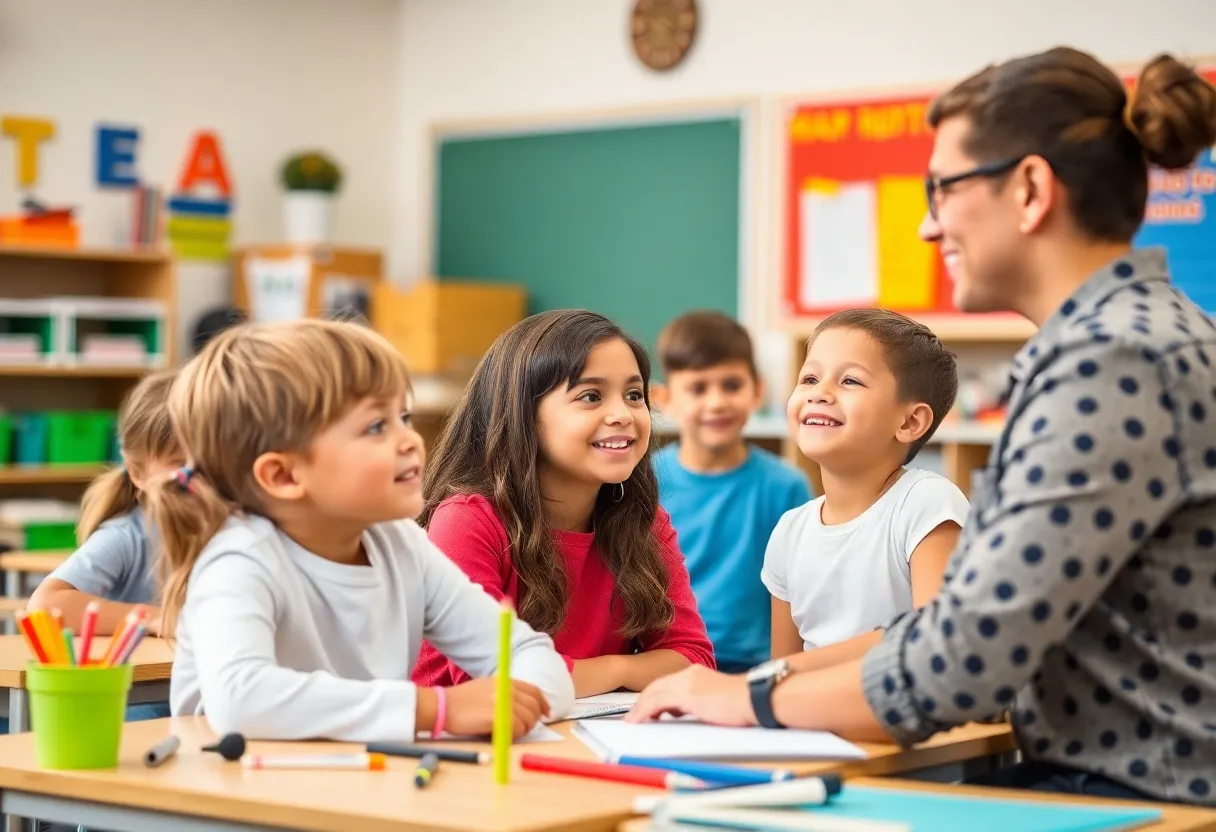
935	185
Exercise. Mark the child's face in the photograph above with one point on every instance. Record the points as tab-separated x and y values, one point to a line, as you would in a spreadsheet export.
597	431
711	406
367	466
846	411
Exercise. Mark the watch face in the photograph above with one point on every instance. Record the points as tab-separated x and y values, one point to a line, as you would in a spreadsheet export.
768	670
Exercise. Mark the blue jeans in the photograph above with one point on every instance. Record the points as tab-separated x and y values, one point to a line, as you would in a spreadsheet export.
135	713
152	710
1049	777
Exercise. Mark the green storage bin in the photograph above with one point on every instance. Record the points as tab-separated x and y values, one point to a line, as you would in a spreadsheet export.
6	439
43	537
79	436
30	446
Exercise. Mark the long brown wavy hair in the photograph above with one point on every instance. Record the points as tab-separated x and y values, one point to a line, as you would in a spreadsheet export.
490	447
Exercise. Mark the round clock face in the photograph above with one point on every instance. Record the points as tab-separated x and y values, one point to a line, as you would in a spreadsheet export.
663	31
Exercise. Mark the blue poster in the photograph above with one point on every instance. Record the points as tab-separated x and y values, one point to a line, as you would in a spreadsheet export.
1182	217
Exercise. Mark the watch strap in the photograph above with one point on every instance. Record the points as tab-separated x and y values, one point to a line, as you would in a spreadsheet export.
762	701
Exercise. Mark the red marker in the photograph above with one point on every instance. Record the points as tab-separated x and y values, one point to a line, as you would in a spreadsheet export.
88	626
636	775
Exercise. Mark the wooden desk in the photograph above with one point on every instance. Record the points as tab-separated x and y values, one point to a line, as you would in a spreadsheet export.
16	565
1175	817
195	786
152	663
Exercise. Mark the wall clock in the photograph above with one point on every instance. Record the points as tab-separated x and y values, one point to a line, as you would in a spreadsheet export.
663	31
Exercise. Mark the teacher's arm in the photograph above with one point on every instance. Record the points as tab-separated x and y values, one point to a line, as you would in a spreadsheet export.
1074	506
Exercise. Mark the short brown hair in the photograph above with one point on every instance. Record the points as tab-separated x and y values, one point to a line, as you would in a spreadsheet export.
924	370
702	339
1067	107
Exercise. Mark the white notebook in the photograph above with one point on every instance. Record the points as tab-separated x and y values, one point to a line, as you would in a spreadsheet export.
612	739
604	706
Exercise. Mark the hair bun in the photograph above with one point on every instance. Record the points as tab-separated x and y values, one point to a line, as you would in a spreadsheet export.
1172	111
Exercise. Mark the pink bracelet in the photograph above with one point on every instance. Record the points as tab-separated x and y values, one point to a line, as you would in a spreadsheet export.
441	711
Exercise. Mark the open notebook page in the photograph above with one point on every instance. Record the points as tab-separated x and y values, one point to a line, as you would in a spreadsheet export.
612	739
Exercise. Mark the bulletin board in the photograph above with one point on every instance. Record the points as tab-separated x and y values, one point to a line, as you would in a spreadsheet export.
854	194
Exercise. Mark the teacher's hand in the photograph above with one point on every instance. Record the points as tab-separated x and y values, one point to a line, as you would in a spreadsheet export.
712	697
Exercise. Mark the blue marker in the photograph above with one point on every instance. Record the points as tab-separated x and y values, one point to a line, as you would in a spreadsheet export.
712	772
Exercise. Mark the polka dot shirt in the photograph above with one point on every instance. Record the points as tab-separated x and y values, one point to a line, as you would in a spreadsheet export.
1082	595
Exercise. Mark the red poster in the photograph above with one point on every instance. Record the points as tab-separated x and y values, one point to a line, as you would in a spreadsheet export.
854	198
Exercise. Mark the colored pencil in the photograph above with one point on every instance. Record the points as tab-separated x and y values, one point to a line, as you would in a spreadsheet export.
635	775
52	643
503	711
69	645
125	656
119	641
88	627
711	772
31	637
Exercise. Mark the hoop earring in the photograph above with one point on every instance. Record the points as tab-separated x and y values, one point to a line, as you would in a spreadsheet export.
621	493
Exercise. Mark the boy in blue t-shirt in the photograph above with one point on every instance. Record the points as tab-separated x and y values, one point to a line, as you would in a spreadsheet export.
724	495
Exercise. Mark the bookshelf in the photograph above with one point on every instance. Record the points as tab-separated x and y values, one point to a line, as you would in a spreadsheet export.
61	381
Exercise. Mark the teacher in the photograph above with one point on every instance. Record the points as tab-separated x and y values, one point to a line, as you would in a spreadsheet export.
1082	595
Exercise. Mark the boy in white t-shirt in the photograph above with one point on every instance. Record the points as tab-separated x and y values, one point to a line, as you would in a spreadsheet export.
874	387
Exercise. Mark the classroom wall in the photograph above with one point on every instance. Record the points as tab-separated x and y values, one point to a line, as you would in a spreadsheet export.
270	76
464	59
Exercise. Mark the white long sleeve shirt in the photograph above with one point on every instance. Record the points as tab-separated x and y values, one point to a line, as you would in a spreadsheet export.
279	643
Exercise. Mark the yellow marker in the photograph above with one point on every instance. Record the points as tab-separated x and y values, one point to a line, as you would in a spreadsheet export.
52	640
502	698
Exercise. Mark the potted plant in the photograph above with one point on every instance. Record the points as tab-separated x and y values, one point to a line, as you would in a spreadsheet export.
311	179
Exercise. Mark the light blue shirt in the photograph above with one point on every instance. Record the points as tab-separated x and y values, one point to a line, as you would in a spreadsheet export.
723	521
114	563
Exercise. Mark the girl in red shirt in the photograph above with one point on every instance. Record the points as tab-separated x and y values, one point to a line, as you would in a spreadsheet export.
541	489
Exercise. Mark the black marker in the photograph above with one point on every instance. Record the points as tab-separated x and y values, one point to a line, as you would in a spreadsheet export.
402	749
428	766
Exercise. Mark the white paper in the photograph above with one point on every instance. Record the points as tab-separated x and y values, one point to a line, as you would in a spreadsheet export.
590	705
277	287
839	246
541	733
612	739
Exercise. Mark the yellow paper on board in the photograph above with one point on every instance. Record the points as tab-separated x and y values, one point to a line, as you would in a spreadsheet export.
906	274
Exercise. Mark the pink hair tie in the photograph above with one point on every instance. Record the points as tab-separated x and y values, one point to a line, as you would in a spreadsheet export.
182	477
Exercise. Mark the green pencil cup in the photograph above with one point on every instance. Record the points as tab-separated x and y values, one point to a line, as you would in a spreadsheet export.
77	714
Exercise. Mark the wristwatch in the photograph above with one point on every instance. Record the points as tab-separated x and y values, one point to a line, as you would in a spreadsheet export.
761	680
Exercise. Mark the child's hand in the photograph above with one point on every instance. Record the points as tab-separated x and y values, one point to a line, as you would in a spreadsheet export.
471	707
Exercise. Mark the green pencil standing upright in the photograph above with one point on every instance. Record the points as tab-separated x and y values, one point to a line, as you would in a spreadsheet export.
502	698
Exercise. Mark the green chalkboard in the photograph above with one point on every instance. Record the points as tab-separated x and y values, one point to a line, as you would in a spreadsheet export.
638	223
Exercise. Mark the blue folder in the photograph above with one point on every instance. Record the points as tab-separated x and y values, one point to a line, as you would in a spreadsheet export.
936	812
